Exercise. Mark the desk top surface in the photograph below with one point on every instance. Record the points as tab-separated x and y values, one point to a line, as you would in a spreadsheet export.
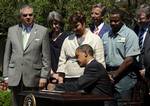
67	96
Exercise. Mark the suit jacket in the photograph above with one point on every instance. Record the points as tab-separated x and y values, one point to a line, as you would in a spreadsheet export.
105	28
95	80
30	64
146	54
55	48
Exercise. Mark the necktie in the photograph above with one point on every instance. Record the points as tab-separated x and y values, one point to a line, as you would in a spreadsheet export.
25	36
141	33
96	31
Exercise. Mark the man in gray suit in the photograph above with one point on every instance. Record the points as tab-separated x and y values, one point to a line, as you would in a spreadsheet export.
27	55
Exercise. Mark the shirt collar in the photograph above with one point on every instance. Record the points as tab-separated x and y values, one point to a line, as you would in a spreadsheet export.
27	28
122	29
90	61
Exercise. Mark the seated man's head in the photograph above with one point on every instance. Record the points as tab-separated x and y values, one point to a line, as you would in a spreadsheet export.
84	54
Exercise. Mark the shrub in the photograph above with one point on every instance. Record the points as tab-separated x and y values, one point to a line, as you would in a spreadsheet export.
5	98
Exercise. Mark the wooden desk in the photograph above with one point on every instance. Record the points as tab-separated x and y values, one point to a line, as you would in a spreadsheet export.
66	99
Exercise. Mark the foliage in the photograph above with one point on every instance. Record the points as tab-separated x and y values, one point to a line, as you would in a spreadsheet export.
9	17
5	98
9	9
41	9
7	13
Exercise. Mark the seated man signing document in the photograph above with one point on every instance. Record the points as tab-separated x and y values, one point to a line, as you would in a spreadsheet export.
95	79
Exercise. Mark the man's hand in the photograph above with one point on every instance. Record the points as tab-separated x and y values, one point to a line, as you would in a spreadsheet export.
42	83
114	74
142	72
54	78
60	80
57	77
111	78
4	85
51	87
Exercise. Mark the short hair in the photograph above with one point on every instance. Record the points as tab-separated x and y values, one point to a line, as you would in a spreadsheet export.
54	15
77	17
86	48
25	6
144	8
118	11
102	7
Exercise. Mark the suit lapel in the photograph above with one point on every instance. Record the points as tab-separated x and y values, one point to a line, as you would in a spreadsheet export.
147	37
101	32
19	34
32	36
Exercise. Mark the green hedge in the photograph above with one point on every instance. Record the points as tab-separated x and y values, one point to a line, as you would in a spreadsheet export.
5	98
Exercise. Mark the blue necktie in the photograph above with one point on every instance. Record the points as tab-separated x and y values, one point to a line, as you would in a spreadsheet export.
28	29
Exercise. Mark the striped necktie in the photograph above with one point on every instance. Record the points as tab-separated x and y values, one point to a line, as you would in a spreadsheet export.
141	33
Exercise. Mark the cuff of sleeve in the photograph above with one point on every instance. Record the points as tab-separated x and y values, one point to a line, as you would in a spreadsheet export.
6	78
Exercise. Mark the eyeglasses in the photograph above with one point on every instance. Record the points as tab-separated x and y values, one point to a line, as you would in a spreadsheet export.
25	15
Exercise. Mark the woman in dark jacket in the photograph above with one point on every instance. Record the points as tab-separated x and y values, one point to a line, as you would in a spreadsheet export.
56	36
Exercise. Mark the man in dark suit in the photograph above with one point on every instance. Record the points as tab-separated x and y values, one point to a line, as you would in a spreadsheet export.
146	60
141	29
98	26
95	79
143	17
143	32
26	60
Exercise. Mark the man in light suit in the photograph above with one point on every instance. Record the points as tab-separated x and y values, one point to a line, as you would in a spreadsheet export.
27	55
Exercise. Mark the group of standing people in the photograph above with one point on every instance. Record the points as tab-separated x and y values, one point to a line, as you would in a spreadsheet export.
103	59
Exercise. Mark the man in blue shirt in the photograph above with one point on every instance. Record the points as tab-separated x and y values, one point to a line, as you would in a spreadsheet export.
121	49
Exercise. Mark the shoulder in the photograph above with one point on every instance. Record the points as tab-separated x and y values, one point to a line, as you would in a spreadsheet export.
40	27
105	36
127	32
107	26
14	27
94	64
62	37
70	36
65	34
92	35
95	67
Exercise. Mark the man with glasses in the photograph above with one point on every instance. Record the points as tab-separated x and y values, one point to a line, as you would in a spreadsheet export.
27	55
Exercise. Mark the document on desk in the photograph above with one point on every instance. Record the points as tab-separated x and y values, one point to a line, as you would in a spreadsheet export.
54	91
